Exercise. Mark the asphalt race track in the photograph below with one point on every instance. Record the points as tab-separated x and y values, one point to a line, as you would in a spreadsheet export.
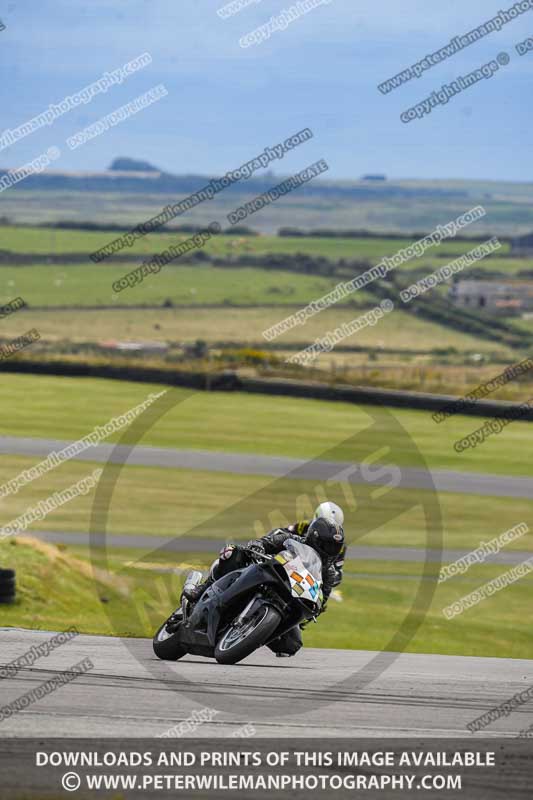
275	466
185	544
130	693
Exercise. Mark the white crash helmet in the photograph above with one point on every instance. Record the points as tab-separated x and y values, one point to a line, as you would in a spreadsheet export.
330	511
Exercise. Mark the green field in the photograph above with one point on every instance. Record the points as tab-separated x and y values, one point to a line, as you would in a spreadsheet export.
57	240
91	285
44	406
224	505
245	326
152	501
83	306
68	408
509	266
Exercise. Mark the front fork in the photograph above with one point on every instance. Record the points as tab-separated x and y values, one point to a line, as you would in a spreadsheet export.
243	615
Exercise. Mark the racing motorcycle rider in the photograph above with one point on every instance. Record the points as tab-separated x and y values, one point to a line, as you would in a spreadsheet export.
324	536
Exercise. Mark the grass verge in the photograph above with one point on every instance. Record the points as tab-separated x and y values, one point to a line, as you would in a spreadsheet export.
69	408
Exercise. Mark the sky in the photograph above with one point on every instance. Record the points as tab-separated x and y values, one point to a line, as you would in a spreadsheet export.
226	103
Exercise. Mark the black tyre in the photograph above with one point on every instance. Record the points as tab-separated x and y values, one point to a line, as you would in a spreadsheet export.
6	573
7	599
239	641
167	646
7	584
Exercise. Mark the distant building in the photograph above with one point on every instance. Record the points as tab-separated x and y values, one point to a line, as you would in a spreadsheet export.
374	178
493	297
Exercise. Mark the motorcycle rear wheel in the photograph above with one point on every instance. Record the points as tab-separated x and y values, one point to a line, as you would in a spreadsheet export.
239	641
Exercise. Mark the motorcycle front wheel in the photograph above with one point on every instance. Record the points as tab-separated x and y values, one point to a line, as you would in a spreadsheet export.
167	644
241	639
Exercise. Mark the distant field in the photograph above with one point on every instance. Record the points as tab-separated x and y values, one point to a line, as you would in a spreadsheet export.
76	303
91	285
525	324
509	206
68	408
49	240
509	266
183	284
401	331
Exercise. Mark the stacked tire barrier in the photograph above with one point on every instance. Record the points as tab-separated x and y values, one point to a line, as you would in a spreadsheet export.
7	586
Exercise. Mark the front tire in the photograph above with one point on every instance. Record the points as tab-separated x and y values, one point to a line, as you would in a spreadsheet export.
167	646
239	641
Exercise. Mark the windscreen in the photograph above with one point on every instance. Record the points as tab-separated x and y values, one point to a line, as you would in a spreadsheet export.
310	558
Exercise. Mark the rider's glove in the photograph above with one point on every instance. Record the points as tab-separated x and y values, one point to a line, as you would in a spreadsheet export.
257	547
227	551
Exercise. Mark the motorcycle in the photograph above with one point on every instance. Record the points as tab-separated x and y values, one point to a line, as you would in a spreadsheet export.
247	608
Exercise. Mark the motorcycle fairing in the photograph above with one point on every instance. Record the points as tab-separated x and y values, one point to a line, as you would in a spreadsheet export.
303	583
224	592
